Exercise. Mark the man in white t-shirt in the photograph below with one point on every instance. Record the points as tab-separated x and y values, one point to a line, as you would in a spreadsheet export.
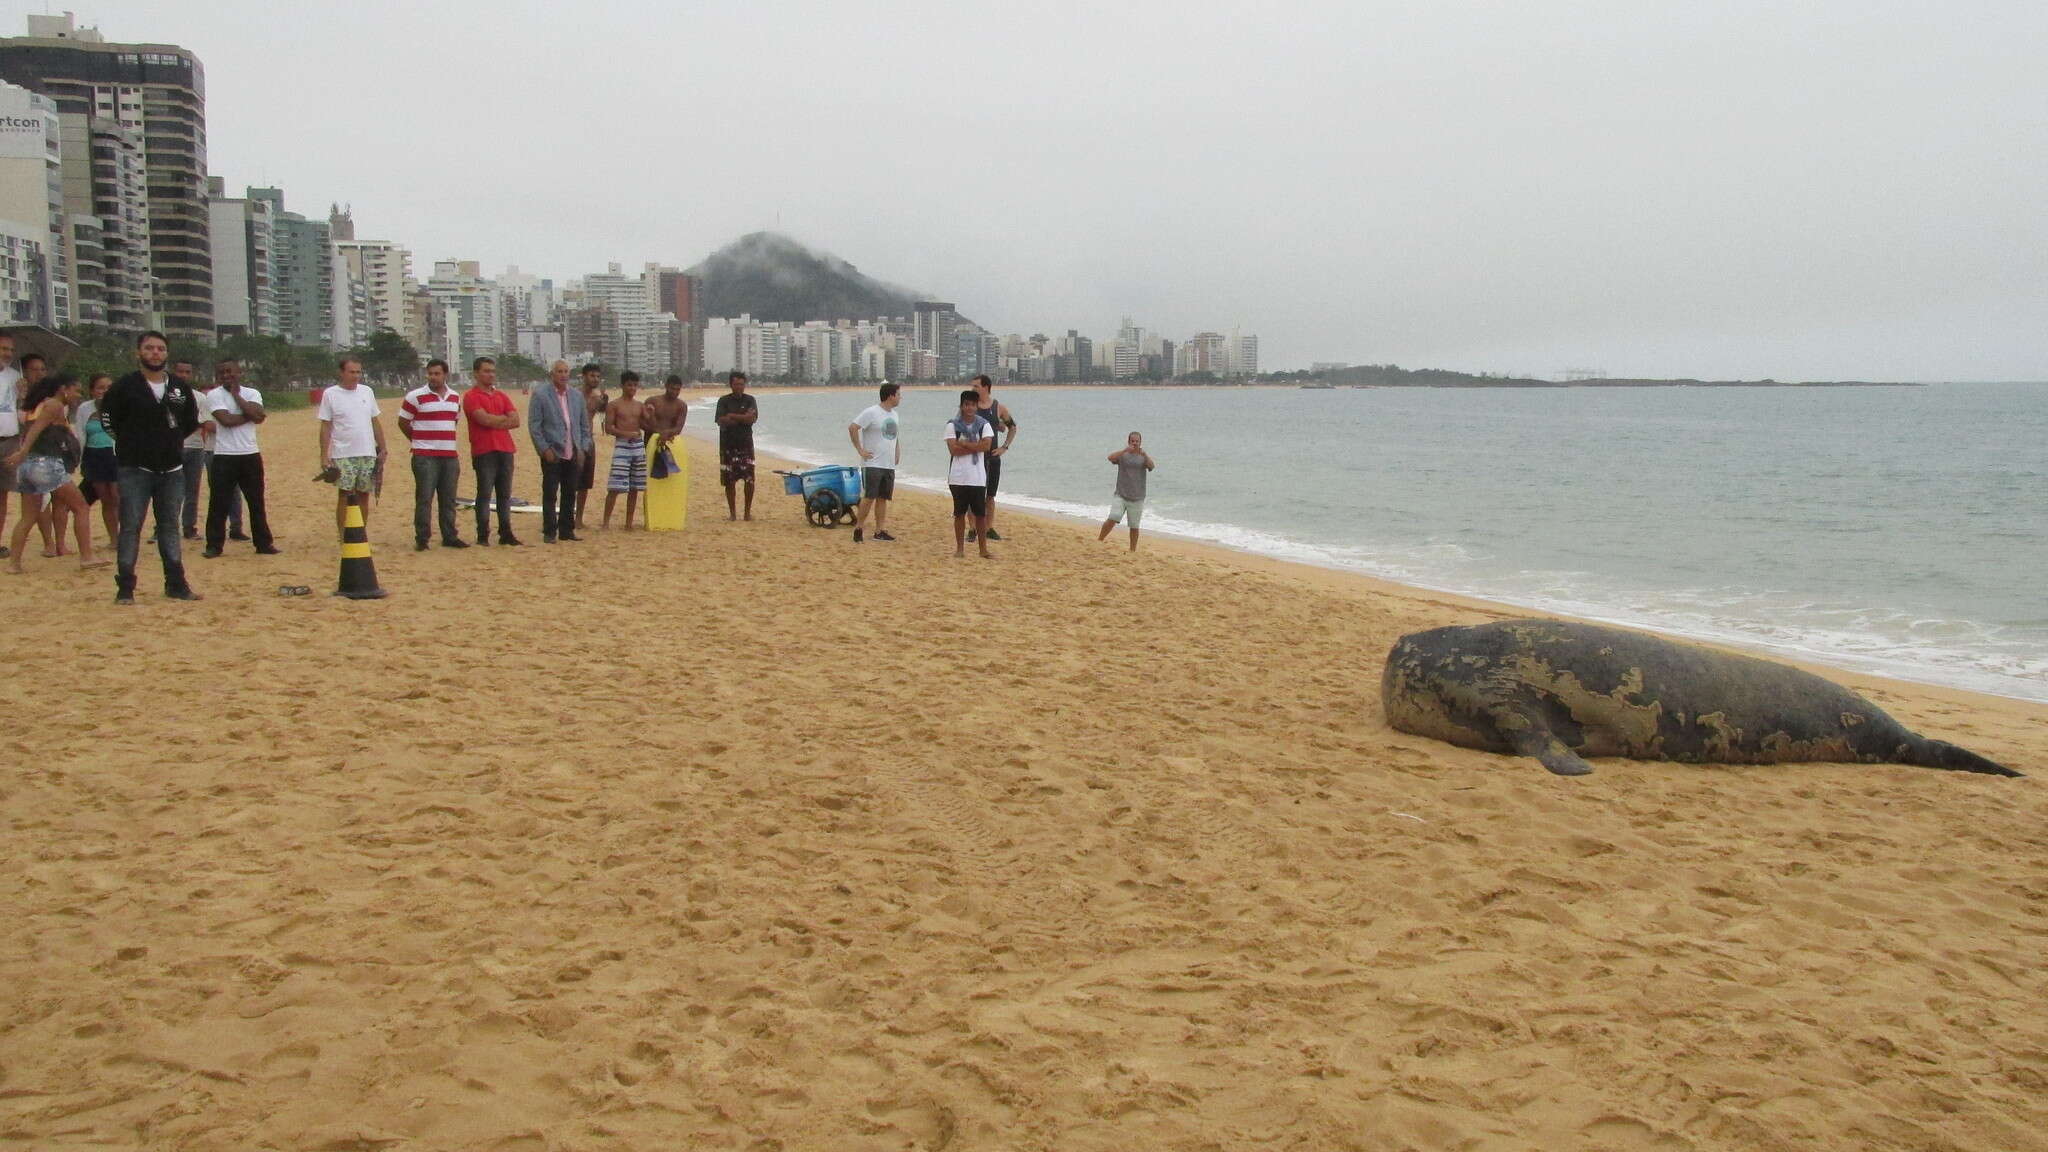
873	433
351	441
237	464
969	439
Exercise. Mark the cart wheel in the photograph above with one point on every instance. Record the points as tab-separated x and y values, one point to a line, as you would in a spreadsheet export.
824	508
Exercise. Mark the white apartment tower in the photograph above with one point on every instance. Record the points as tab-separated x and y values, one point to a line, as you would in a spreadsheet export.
472	311
244	297
35	283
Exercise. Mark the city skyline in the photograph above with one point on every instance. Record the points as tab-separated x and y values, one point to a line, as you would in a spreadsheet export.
1827	193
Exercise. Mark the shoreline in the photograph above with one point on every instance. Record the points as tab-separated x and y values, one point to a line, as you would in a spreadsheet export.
1310	570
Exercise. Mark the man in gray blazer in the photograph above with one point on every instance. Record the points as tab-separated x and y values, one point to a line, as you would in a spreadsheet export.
560	422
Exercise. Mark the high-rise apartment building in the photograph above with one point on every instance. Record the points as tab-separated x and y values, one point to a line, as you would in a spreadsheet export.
1126	360
1203	352
591	333
1244	354
472	312
35	281
530	300
642	344
371	279
244	298
159	91
934	324
764	349
106	216
681	295
721	344
301	273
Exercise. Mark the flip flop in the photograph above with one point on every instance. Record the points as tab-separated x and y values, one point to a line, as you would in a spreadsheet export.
294	590
89	565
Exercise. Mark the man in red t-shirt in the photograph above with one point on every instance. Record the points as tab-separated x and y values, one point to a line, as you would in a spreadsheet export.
491	416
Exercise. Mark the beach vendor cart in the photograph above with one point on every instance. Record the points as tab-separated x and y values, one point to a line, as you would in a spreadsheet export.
830	494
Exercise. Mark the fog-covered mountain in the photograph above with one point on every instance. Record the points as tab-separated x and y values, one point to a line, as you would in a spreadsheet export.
772	277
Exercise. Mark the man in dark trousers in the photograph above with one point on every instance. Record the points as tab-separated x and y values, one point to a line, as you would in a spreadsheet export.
150	414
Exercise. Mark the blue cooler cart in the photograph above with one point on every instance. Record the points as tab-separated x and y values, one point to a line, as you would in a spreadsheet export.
829	493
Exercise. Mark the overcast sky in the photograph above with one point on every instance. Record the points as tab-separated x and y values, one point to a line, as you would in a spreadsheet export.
1803	189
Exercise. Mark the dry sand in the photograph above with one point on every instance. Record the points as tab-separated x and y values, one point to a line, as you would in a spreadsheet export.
750	838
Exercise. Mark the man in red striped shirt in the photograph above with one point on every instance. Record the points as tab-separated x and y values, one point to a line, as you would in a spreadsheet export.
428	418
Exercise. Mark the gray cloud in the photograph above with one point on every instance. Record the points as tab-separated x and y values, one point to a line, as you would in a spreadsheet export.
1834	188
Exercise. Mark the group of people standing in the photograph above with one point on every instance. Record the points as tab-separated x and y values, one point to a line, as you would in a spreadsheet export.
974	468
142	444
561	421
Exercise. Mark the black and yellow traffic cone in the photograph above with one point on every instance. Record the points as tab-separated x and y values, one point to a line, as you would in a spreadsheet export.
358	571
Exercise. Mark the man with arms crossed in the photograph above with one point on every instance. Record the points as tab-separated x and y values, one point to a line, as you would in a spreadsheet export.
150	415
199	460
351	441
736	413
235	474
968	440
427	420
998	415
492	416
623	423
873	433
1131	465
559	423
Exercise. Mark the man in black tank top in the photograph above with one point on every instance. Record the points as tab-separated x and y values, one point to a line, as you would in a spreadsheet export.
998	416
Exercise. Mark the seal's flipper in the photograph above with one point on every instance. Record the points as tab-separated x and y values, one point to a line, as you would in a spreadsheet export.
1942	754
1530	736
1561	760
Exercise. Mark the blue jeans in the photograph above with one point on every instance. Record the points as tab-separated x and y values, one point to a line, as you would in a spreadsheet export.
493	477
144	491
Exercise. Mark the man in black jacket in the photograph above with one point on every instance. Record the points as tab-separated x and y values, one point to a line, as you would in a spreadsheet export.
150	414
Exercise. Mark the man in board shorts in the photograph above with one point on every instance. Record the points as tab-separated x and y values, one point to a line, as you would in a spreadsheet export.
623	423
736	413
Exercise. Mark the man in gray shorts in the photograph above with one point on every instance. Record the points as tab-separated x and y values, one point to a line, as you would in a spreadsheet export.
1131	465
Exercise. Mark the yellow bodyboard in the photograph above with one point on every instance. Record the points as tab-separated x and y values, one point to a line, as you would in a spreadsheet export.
668	498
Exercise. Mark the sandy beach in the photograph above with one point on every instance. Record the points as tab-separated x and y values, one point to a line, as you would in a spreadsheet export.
751	838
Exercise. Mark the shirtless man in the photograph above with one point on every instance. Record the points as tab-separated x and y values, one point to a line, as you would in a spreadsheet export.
623	421
594	403
662	417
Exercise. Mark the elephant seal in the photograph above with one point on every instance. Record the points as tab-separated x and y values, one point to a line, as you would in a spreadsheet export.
1562	691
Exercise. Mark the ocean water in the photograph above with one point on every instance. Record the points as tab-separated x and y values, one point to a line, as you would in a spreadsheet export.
1902	531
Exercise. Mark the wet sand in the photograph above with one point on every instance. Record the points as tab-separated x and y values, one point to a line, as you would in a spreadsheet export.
751	838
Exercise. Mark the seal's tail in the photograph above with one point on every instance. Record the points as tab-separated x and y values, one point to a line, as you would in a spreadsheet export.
1942	754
